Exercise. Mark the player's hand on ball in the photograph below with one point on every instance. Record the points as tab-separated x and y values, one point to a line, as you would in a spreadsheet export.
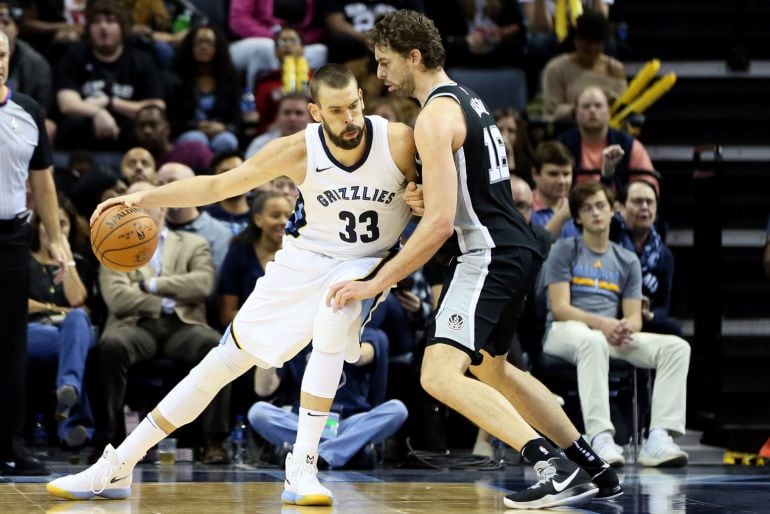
349	290
413	198
131	200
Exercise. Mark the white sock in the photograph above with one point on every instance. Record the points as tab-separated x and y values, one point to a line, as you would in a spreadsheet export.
146	435
311	425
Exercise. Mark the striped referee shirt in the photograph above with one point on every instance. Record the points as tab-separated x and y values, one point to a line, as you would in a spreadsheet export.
23	147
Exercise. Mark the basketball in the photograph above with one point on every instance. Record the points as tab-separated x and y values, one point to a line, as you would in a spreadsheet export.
124	238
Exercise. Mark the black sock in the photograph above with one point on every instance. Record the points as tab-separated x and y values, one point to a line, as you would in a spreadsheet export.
539	449
581	453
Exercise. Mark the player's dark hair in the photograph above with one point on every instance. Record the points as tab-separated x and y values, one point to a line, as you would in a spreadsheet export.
335	76
404	31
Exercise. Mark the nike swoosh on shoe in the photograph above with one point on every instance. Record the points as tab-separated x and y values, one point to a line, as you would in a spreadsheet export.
560	486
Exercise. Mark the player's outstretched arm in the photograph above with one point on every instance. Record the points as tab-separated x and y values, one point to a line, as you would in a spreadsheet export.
282	156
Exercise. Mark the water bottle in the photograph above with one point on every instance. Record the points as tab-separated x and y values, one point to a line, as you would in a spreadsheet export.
40	436
182	22
238	441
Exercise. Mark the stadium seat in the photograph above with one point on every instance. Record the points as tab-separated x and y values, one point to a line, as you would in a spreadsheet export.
505	87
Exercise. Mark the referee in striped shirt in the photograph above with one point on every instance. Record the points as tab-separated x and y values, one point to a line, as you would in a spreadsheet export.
25	154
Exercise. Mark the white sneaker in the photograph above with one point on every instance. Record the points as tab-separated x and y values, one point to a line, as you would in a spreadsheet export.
605	447
108	478
663	452
301	486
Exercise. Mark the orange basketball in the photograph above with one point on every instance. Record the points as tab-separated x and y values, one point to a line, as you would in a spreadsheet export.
124	238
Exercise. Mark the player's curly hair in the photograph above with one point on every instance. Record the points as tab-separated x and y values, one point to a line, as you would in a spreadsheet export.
404	31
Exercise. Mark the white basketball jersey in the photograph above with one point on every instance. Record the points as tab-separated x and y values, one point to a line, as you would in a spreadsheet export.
348	212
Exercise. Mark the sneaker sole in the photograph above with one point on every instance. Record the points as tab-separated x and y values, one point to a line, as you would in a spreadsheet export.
577	495
308	500
608	495
110	494
676	462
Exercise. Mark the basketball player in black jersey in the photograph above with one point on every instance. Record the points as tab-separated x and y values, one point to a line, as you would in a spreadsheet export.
492	257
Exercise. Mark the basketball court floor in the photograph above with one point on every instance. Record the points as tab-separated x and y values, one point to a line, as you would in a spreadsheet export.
246	489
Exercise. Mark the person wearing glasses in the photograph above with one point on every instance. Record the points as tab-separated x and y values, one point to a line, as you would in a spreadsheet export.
595	312
637	214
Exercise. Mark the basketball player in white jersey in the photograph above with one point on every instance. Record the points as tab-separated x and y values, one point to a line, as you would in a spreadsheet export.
351	171
493	259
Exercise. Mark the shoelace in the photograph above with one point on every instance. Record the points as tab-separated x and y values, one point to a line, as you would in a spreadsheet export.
545	472
103	479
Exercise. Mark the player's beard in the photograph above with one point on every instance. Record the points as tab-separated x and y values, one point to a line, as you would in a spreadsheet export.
339	141
407	86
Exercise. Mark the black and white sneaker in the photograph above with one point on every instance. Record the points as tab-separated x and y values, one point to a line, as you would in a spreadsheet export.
561	482
607	481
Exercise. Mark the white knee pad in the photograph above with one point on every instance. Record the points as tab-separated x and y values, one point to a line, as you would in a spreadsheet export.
221	366
334	331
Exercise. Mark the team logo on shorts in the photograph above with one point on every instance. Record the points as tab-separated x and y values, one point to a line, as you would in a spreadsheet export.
455	322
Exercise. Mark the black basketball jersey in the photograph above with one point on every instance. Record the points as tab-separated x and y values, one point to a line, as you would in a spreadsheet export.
486	217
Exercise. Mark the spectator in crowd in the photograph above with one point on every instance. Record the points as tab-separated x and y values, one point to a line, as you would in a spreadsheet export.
293	116
160	310
151	26
250	251
231	212
287	188
138	165
59	326
191	219
93	188
552	173
517	142
102	85
542	41
258	22
153	132
204	104
289	77
602	151
29	72
365	419
80	163
487	34
348	21
638	210
595	312
567	75
52	26
25	160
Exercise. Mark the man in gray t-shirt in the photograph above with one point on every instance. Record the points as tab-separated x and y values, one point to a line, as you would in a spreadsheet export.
594	313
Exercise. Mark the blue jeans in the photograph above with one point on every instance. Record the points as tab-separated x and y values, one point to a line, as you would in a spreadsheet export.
222	142
279	426
69	343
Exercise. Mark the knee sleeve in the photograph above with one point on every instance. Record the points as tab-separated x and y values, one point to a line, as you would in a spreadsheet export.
221	366
333	331
322	373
